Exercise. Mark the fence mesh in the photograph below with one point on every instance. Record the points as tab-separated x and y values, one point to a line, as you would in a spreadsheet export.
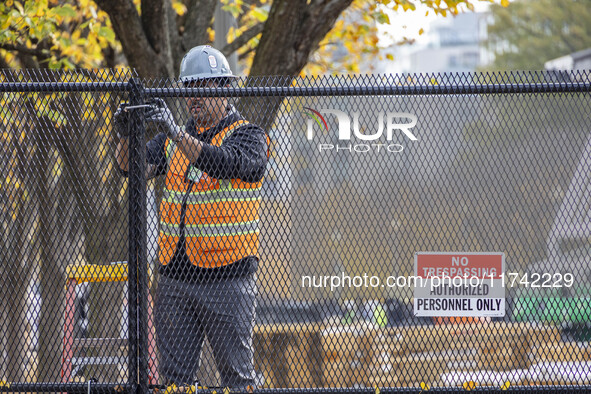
375	189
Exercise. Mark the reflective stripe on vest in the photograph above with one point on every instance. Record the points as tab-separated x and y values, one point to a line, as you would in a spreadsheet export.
207	197
211	230
221	223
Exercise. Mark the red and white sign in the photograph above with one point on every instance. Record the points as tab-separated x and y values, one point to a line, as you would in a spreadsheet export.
459	284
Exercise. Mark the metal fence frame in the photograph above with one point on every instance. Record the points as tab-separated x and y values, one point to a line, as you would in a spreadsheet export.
137	285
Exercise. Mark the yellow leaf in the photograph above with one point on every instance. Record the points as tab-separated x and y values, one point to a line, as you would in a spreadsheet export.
505	3
421	31
260	14
179	7
6	23
389	56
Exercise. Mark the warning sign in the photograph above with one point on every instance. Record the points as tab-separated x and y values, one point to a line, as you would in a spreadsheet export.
459	284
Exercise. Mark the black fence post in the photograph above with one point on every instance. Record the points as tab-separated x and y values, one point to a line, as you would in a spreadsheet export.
138	296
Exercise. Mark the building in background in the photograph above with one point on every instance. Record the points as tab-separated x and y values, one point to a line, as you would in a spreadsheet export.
451	44
566	67
454	45
580	60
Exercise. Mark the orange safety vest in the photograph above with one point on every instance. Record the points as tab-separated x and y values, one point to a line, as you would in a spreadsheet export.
221	221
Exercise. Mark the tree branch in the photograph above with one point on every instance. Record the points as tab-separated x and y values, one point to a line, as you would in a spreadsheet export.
156	29
292	32
130	32
23	50
243	39
153	24
244	54
198	19
174	35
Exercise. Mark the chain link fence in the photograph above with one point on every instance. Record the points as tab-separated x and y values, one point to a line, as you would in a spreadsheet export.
411	232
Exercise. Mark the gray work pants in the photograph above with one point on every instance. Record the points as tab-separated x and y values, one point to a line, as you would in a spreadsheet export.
224	311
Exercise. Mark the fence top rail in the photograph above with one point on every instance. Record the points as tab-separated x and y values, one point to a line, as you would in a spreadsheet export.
375	90
46	87
297	91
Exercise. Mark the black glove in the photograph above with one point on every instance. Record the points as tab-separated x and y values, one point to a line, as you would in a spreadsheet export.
160	115
121	121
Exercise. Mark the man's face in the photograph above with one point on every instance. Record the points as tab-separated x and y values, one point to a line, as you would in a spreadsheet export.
207	111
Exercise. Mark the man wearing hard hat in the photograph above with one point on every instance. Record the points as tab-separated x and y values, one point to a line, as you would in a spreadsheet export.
209	219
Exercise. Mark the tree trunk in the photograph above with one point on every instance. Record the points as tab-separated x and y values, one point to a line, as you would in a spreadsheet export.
53	248
18	213
291	34
17	339
99	212
19	277
13	293
153	46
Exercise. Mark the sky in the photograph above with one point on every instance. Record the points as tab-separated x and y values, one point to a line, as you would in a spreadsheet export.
408	24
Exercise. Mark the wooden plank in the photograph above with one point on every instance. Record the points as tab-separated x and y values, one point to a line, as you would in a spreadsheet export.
101	343
384	380
300	355
359	342
505	353
345	374
421	339
542	334
419	368
288	355
566	351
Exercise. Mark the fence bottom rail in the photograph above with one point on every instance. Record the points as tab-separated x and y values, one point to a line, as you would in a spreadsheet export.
74	388
386	390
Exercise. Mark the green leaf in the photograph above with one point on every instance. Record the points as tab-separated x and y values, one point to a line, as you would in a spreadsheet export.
57	117
54	64
65	11
232	9
66	63
382	18
107	33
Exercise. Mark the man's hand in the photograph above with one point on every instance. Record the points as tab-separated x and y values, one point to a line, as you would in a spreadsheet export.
162	117
121	121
